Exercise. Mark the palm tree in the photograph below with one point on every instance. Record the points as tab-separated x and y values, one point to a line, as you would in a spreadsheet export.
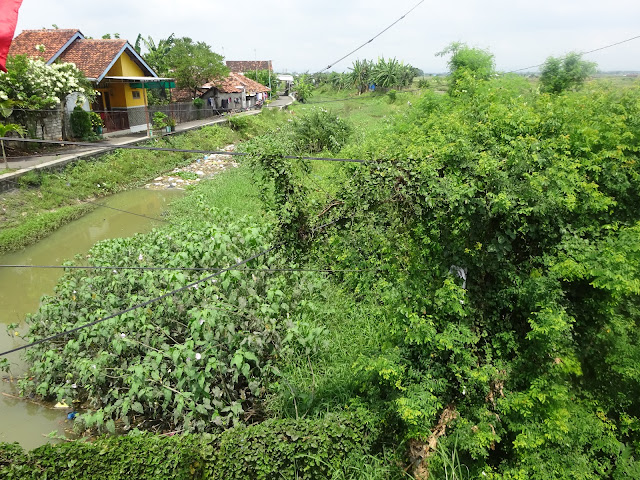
156	55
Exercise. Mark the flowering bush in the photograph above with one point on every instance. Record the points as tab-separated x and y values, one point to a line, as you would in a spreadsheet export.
32	84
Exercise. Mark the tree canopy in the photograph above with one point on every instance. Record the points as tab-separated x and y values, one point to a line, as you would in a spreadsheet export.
193	63
466	63
560	74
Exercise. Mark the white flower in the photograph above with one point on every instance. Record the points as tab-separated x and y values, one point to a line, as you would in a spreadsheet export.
140	257
123	335
201	321
74	386
198	356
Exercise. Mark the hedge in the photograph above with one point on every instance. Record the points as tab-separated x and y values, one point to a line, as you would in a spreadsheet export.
303	449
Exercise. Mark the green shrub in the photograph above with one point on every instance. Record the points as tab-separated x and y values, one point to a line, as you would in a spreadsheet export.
304	449
392	95
506	222
32	178
159	120
423	83
239	123
319	129
96	121
199	361
81	127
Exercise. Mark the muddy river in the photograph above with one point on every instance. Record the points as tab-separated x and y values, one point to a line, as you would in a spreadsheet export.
22	288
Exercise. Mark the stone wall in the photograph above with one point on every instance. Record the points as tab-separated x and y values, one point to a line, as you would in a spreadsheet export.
137	119
42	124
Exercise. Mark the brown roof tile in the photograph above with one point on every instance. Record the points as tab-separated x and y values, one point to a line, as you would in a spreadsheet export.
93	57
181	94
53	41
242	66
230	84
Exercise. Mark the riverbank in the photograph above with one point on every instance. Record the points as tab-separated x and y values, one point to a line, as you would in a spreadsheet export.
44	201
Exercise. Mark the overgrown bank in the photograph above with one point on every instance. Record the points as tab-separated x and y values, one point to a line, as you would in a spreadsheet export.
333	447
477	300
42	202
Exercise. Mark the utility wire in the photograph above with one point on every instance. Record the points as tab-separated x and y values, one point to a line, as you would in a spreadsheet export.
174	150
195	269
127	211
140	305
582	53
372	39
359	97
155	299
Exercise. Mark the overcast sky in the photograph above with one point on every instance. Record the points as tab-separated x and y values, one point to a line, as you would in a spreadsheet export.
309	35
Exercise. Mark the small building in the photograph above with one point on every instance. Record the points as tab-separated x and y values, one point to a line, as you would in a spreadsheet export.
118	73
234	92
287	80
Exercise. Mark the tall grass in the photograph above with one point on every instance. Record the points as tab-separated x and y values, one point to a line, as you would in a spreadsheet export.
232	189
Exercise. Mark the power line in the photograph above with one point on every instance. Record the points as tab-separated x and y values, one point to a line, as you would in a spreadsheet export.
581	53
373	38
359	97
195	269
171	150
140	305
155	299
127	211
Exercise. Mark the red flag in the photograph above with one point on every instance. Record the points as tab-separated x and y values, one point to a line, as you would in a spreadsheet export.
8	19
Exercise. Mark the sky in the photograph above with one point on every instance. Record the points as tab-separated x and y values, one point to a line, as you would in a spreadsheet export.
303	36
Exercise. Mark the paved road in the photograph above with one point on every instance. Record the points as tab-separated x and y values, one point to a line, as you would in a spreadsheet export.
69	153
282	101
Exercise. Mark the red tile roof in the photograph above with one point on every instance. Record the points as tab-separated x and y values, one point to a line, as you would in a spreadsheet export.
242	66
181	94
231	83
53	41
93	57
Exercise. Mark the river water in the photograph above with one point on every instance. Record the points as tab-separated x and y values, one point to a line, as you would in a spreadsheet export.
21	290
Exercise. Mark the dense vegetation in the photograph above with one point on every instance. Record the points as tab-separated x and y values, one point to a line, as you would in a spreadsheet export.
505	223
305	449
481	311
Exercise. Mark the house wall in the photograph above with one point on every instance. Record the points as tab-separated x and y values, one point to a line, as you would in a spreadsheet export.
232	105
123	94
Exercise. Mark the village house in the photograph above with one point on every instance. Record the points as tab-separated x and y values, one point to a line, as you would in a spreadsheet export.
118	73
234	92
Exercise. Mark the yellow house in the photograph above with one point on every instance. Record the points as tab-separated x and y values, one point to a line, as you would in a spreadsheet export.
118	72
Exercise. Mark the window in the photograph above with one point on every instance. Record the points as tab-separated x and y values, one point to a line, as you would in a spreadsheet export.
136	94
